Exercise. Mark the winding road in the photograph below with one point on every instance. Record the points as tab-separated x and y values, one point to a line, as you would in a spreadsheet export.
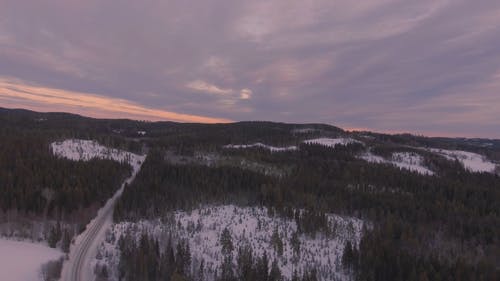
78	267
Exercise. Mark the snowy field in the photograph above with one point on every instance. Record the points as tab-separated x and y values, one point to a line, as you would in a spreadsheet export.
404	160
412	161
261	145
248	226
84	150
332	142
22	261
321	141
471	161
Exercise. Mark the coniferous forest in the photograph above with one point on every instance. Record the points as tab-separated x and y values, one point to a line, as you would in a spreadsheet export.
39	187
426	227
440	226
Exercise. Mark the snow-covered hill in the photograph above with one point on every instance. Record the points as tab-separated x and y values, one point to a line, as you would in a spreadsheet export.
248	226
321	141
471	161
261	145
414	162
404	160
84	150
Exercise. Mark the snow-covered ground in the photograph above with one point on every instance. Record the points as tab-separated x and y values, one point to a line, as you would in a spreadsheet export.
84	150
404	160
22	261
410	161
321	141
261	145
248	226
414	162
332	142
372	158
84	249
471	161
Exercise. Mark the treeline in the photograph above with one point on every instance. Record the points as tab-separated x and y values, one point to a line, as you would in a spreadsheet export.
160	187
387	253
186	138
145	259
35	182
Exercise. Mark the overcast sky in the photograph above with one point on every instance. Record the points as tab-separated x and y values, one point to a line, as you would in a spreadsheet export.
428	67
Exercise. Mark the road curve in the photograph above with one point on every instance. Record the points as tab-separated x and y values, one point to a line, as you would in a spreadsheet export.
78	266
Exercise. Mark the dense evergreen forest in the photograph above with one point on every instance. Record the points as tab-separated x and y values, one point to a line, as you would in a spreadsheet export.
43	196
144	260
427	227
33	180
440	227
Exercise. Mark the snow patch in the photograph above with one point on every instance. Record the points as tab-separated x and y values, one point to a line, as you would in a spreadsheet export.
321	141
471	161
85	150
22	261
410	161
261	145
404	160
372	158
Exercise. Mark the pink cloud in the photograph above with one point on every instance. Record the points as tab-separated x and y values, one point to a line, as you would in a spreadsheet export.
15	93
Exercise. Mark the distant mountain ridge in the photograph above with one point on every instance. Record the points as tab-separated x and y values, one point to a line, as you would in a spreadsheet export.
128	127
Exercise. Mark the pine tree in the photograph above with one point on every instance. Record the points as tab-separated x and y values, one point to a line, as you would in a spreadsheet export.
201	270
54	235
226	241
66	241
277	242
275	273
347	256
227	273
245	263
262	268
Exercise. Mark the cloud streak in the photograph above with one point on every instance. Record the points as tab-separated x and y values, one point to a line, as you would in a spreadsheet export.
46	99
202	86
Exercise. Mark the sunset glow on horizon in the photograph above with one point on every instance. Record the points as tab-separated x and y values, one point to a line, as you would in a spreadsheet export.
49	99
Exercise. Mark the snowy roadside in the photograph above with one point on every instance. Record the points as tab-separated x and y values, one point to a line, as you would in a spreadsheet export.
84	248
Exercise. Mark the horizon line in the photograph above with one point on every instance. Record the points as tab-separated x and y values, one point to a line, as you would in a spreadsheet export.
345	129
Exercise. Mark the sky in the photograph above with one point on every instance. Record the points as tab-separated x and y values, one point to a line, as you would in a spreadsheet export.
425	67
